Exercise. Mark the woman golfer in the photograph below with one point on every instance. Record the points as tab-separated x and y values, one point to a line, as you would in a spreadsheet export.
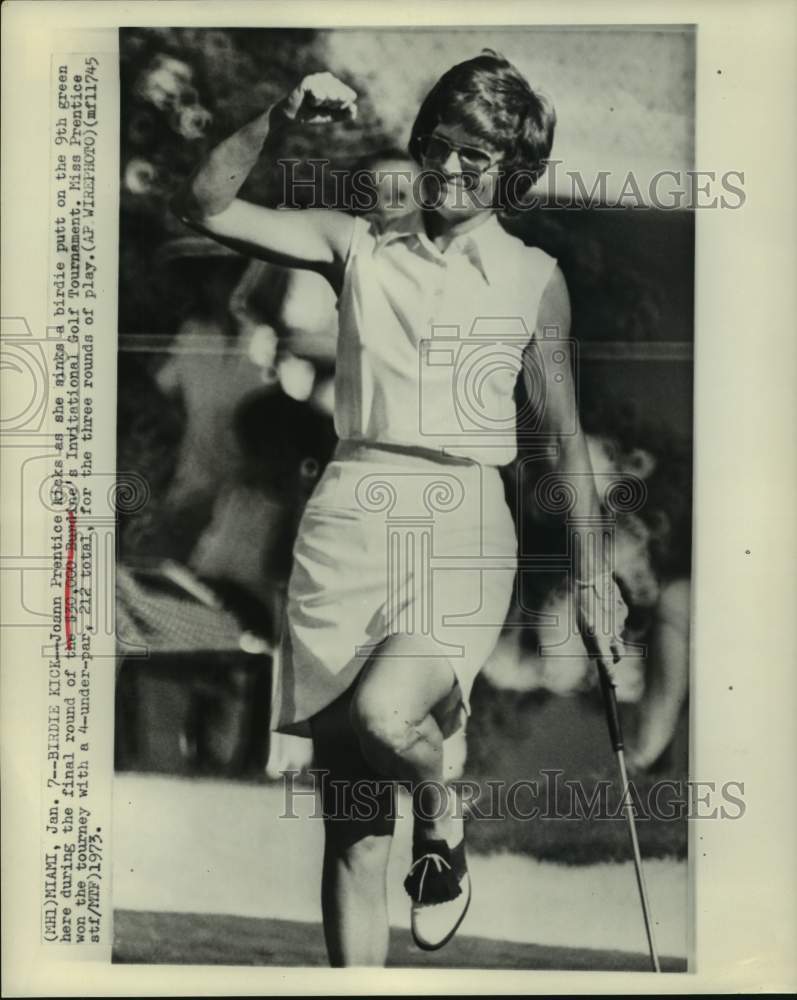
405	560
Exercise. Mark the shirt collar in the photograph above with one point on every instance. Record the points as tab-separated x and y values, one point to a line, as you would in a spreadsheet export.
484	246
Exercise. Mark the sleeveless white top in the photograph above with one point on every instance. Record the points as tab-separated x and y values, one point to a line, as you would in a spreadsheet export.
430	343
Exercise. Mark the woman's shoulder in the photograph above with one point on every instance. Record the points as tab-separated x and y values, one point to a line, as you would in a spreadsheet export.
531	271
539	256
533	253
537	266
528	252
364	230
363	238
541	262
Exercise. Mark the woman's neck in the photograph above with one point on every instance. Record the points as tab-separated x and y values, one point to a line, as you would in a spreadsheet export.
442	231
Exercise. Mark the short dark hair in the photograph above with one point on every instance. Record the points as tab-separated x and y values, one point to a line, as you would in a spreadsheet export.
489	97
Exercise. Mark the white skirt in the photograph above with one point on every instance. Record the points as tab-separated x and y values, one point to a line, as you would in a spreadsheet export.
393	541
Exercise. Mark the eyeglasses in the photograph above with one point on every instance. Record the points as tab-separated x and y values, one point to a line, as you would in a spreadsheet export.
473	160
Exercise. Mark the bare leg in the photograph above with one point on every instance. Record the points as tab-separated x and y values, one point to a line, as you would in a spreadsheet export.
393	714
383	730
667	679
353	888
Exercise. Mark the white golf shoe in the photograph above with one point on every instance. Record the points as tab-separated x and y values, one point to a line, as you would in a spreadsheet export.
439	885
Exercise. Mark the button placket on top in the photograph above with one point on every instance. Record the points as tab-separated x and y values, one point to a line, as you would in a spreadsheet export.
462	285
436	296
435	260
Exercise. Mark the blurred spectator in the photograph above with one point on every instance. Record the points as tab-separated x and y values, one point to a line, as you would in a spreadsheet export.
652	559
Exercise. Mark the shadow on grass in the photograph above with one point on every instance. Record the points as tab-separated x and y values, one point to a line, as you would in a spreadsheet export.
141	937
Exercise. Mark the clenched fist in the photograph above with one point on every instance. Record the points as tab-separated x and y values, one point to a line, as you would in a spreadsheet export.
601	613
320	98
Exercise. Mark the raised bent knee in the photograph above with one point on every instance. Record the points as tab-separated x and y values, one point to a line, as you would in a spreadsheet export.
381	728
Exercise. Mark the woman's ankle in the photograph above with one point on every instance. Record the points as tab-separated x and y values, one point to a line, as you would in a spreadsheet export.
445	822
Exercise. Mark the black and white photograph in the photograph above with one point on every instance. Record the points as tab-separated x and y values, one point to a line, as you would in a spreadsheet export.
396	498
405	359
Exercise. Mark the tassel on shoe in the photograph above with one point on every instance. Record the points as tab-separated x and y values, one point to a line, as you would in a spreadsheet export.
431	877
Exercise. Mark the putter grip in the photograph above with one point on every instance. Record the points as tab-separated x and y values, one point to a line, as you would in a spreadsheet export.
610	704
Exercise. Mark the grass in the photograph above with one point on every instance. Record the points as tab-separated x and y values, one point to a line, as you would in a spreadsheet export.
201	939
515	738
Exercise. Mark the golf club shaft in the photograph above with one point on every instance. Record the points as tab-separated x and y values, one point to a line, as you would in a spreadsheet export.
640	877
616	735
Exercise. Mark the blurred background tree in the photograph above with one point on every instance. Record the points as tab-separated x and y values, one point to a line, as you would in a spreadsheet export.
182	91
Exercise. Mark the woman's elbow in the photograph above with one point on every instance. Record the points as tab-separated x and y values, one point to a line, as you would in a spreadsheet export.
184	206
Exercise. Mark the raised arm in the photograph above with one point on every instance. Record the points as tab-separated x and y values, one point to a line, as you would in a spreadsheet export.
600	609
317	239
